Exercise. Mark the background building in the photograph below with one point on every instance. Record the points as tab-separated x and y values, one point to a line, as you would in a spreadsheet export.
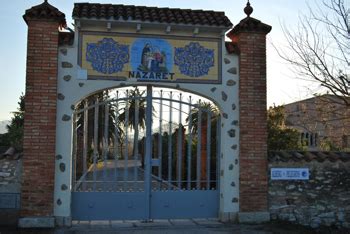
323	122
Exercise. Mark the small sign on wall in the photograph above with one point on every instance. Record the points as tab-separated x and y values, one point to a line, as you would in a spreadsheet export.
290	174
9	200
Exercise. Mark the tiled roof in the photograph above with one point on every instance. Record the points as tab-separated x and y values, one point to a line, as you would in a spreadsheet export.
249	24
151	14
308	156
45	11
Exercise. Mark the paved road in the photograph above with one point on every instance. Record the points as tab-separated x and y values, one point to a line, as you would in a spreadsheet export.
186	226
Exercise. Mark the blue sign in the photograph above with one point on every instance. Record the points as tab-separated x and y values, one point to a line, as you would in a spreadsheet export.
290	174
10	200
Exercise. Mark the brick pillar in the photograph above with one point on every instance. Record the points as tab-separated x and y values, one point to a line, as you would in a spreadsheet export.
250	37
40	110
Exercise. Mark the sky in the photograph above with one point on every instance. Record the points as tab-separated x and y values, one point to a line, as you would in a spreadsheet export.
282	87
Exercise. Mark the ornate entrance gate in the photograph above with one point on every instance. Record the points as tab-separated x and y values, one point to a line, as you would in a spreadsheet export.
145	153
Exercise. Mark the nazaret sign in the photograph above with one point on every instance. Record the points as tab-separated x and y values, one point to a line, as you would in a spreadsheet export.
148	58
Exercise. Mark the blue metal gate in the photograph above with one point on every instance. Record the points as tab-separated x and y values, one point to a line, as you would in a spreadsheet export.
145	153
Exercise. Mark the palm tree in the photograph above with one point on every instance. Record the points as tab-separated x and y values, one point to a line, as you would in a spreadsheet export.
135	108
201	113
113	128
107	125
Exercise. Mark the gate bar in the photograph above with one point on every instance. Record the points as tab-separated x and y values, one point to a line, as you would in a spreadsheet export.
199	132
116	138
85	141
189	147
105	145
148	155
95	141
126	150
179	145
160	140
136	141
170	141
208	147
75	149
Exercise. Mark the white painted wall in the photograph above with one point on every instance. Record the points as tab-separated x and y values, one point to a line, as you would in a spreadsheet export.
74	92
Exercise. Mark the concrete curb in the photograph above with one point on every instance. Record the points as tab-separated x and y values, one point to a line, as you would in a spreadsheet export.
36	222
253	217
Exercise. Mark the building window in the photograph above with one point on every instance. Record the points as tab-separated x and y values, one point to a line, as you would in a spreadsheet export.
345	141
309	139
316	139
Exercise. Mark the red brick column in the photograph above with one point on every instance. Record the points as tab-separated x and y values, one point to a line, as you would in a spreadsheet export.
250	37
40	110
253	122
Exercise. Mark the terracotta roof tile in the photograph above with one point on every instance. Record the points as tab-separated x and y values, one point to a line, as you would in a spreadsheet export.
308	156
45	11
249	24
152	14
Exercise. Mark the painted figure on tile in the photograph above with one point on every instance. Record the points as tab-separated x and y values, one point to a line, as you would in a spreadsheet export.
145	53
152	59
151	55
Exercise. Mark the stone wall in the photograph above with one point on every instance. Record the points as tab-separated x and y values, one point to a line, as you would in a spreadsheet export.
10	188
323	200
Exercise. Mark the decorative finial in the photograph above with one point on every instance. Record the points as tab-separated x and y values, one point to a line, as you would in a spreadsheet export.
248	9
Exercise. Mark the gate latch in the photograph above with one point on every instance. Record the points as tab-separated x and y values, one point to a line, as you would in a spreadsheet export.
155	162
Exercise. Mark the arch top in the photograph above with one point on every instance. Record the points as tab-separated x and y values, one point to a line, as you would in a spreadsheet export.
175	94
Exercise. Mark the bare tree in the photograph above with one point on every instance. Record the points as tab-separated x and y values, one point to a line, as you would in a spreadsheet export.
319	49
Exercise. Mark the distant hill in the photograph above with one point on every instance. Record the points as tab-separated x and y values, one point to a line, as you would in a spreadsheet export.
3	124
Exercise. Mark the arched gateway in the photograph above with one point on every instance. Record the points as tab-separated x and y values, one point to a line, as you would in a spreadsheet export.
144	113
145	153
